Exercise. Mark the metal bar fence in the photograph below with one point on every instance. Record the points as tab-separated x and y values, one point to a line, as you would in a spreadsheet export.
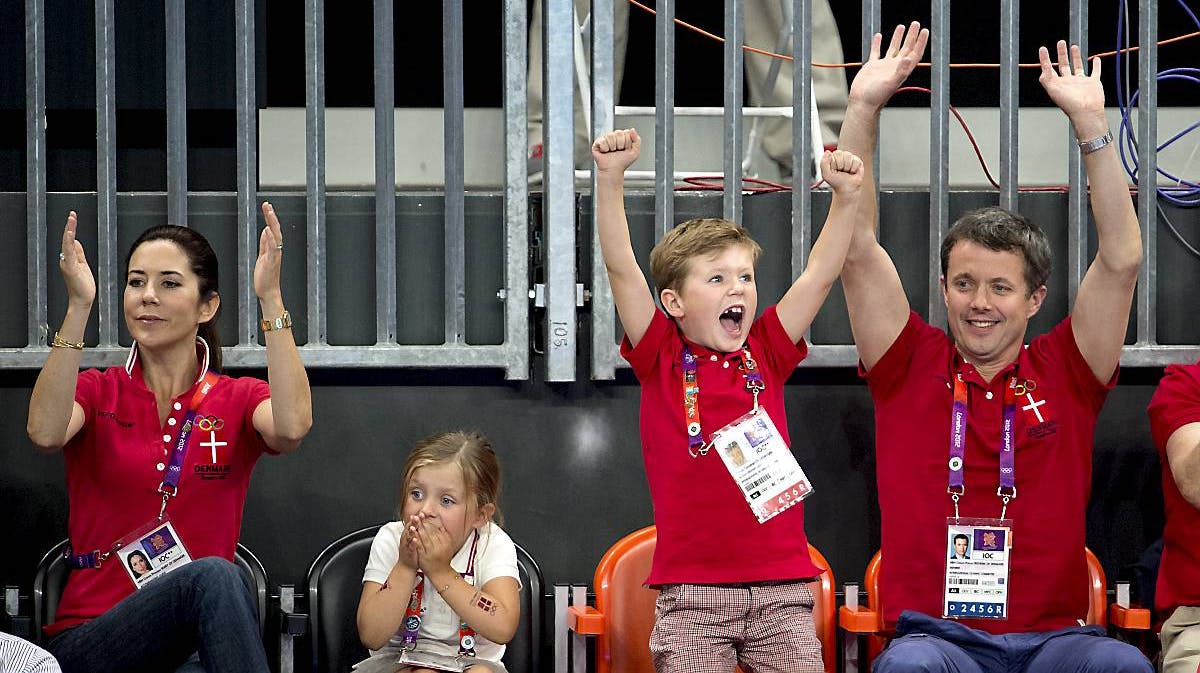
563	293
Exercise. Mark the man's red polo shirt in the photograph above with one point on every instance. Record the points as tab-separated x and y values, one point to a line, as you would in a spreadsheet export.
1055	423
1175	404
706	531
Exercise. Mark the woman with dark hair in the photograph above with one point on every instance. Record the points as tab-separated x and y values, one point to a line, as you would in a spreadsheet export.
177	440
138	563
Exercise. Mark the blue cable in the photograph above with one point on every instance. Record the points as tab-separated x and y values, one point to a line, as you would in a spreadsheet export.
1187	193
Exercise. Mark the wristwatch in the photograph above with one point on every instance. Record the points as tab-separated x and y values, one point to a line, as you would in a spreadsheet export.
1089	146
281	322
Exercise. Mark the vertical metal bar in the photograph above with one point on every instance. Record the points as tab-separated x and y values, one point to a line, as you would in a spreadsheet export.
247	170
176	90
604	350
870	25
35	169
385	175
455	214
801	133
562	663
516	190
578	641
287	607
664	117
939	155
1077	208
559	203
1009	104
1147	137
314	169
106	174
735	31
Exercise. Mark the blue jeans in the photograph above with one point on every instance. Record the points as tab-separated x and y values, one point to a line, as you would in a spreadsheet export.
203	607
927	644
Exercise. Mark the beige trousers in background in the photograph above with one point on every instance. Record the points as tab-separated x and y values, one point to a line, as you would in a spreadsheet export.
763	19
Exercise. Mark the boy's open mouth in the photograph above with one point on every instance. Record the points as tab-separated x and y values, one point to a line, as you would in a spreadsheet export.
731	318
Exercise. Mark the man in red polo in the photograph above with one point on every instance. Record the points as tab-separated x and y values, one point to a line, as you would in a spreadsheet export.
969	420
1175	424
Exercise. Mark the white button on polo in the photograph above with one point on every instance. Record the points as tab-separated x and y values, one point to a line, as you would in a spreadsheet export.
177	406
989	395
160	467
713	358
726	365
170	421
167	439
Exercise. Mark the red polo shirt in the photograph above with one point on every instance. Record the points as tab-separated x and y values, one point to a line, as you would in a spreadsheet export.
115	464
1175	404
706	531
1055	422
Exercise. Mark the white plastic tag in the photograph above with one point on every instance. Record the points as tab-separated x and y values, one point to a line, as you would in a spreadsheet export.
152	551
762	464
977	568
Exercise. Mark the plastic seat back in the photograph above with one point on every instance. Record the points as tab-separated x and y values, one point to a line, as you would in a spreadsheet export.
52	573
628	605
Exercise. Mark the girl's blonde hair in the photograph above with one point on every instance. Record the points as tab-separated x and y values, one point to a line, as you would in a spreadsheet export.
473	454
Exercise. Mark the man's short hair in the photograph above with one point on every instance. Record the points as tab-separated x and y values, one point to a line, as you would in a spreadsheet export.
1004	231
691	239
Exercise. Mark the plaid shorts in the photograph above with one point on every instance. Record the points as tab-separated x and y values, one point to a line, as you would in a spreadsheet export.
762	628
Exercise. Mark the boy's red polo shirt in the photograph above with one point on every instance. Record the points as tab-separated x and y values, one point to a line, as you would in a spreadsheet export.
706	531
1175	404
1055	424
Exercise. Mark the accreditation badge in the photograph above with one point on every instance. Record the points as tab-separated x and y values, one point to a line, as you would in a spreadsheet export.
761	464
152	551
977	568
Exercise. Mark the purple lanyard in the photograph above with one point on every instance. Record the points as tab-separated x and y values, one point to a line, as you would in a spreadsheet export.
691	395
94	558
1007	490
412	614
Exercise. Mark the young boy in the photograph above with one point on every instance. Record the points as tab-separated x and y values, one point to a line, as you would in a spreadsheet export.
732	575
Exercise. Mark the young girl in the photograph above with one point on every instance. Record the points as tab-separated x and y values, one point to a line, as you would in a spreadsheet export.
440	591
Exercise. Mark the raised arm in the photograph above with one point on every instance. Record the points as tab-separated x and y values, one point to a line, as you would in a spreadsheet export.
875	298
285	418
614	152
1101	310
54	415
843	172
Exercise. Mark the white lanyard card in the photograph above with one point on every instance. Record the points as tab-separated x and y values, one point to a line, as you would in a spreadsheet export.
977	553
153	550
762	464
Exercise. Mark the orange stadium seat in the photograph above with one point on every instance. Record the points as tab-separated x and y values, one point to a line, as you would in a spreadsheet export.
623	616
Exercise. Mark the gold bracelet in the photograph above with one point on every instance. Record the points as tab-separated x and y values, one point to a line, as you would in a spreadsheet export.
283	321
443	589
59	342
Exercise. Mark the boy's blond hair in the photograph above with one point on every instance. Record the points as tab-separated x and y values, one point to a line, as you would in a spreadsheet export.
669	259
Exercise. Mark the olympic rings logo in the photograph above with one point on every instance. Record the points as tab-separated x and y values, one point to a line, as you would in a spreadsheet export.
208	423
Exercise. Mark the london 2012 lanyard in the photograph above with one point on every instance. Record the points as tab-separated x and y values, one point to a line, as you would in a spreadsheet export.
1007	490
412	614
169	487
691	395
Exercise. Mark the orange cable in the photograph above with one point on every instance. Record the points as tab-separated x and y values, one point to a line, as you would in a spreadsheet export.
858	64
